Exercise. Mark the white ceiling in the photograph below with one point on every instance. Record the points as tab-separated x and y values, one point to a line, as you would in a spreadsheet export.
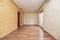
29	5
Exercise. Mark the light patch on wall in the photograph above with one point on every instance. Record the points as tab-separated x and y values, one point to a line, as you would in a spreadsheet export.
41	19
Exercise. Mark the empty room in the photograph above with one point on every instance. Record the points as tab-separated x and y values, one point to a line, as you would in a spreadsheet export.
29	19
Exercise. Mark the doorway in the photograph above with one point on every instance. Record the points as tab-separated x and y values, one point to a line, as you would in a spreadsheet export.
18	19
41	19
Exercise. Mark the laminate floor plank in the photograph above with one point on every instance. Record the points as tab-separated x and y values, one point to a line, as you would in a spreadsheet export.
28	33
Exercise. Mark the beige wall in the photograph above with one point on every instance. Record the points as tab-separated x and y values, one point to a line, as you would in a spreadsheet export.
30	18
52	18
18	10
8	17
21	19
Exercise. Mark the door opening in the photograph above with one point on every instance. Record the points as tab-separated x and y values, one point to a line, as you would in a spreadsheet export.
41	19
18	19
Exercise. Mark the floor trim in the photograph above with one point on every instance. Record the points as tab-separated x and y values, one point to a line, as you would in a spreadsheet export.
9	34
30	25
47	32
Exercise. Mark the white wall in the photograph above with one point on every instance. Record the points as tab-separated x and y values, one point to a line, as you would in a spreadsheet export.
52	18
41	19
30	18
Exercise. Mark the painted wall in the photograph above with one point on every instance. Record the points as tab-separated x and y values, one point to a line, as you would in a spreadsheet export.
30	18
8	17
21	19
52	18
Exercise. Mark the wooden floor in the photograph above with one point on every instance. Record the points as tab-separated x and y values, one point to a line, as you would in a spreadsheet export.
29	33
